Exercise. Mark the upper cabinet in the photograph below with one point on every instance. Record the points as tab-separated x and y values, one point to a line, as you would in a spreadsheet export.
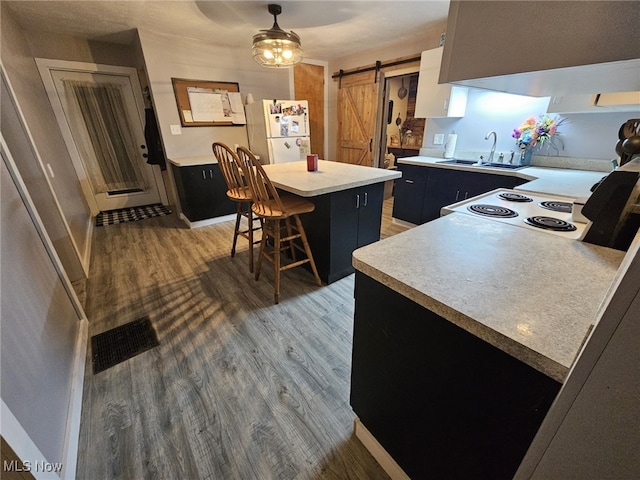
602	102
542	48
434	100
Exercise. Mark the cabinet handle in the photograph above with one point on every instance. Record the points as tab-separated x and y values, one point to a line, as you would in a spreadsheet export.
408	181
371	144
358	200
465	195
457	195
366	198
211	173
204	175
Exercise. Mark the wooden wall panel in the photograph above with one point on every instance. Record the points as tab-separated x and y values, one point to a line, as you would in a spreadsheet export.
308	82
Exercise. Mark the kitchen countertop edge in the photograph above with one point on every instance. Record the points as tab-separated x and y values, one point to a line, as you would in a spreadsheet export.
294	178
194	161
550	350
565	182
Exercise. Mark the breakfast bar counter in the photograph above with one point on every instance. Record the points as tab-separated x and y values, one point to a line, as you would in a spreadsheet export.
348	214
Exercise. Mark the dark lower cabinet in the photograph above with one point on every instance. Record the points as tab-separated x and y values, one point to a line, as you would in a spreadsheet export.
342	222
202	192
423	191
442	402
408	193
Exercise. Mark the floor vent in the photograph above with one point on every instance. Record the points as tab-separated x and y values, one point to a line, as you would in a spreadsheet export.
122	343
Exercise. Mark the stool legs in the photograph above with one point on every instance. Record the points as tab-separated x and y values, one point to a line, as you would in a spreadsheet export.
250	233
307	249
236	230
244	210
273	228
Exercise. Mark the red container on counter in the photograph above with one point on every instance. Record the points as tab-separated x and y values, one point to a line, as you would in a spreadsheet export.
312	162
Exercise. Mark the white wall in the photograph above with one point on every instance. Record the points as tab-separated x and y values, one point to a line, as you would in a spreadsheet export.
59	199
585	135
41	324
168	57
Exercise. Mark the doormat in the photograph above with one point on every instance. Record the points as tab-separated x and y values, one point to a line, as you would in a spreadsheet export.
131	214
122	343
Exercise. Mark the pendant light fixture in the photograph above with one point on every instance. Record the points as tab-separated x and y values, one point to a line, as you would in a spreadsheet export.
276	48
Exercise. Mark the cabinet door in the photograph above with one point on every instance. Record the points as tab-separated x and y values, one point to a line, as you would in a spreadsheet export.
343	229
220	203
202	192
370	214
408	193
432	99
600	103
193	185
444	187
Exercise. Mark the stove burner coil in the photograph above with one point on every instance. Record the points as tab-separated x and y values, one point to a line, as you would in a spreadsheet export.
550	223
492	211
514	197
557	206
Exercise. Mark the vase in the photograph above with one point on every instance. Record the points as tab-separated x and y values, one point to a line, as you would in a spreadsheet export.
525	156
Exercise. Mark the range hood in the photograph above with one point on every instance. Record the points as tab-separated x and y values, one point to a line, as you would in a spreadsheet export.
542	48
621	76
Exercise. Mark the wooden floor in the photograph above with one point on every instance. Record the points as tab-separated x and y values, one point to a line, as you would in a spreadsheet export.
239	388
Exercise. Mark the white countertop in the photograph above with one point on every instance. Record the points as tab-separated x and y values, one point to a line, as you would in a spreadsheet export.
293	177
552	181
192	161
531	294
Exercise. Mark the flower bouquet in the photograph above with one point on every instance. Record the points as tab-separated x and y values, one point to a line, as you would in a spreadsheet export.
538	131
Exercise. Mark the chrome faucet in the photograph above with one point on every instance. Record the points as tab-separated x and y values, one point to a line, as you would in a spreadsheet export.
493	147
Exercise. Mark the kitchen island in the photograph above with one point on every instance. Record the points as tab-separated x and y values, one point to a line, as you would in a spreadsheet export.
464	331
348	200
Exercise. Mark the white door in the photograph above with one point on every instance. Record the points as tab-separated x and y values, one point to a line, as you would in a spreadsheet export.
293	149
100	116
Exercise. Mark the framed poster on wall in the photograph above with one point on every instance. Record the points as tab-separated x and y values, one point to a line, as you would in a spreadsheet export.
204	103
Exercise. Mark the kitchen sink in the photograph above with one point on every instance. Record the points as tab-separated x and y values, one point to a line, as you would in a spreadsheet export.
508	166
458	161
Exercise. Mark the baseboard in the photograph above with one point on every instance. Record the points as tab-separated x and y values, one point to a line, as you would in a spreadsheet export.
75	402
86	258
208	221
378	452
402	222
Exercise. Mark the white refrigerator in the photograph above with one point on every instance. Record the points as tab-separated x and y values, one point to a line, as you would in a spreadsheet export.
278	130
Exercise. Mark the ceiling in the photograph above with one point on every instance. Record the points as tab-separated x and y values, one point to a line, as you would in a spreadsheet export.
328	29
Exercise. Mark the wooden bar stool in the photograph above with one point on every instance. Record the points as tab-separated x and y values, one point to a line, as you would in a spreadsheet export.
273	209
239	192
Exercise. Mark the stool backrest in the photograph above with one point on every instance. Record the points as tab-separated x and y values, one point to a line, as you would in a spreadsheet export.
264	194
229	166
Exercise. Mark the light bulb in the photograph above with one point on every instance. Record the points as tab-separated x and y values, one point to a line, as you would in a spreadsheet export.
267	54
287	54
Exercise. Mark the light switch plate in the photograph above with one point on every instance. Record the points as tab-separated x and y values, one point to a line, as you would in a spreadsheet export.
438	139
176	130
